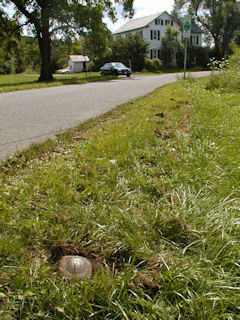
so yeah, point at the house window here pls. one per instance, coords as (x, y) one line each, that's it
(194, 40)
(140, 33)
(155, 34)
(172, 23)
(118, 37)
(162, 22)
(128, 34)
(157, 21)
(167, 22)
(154, 53)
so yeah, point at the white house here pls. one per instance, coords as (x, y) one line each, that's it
(77, 63)
(152, 27)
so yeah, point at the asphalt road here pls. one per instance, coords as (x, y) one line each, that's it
(33, 115)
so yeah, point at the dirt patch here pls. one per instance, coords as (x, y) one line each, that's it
(148, 284)
(175, 230)
(150, 279)
(184, 123)
(167, 133)
(161, 115)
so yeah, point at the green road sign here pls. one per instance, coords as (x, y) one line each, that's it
(187, 26)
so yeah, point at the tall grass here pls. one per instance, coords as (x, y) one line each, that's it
(228, 77)
(149, 193)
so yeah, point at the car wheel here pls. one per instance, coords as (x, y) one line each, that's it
(128, 75)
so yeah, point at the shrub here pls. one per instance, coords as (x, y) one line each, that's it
(152, 65)
(228, 76)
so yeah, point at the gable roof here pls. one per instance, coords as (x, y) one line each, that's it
(79, 58)
(194, 27)
(138, 23)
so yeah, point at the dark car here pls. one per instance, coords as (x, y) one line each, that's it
(116, 69)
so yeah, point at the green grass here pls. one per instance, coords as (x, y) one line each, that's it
(15, 82)
(149, 192)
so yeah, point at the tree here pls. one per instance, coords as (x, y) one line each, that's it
(237, 37)
(134, 49)
(219, 18)
(96, 43)
(9, 35)
(48, 17)
(171, 46)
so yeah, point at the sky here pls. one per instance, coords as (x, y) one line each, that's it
(142, 8)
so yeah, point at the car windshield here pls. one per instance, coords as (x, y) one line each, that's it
(119, 65)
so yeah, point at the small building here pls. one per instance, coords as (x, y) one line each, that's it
(77, 63)
(152, 27)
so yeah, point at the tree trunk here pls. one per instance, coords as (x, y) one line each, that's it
(44, 42)
(217, 50)
(45, 50)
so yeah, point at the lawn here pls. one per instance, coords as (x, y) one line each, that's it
(149, 193)
(15, 82)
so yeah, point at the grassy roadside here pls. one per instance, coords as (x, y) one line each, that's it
(24, 82)
(149, 192)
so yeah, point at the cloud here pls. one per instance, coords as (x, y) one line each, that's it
(142, 8)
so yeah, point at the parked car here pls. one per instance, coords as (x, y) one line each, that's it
(63, 71)
(115, 68)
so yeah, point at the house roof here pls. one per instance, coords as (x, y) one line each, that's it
(138, 23)
(194, 27)
(79, 58)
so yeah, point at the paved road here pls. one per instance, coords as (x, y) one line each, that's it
(33, 115)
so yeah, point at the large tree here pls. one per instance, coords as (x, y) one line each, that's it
(48, 17)
(219, 18)
(171, 46)
(131, 51)
(9, 35)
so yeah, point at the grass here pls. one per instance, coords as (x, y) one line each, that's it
(15, 82)
(149, 192)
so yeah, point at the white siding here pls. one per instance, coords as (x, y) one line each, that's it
(154, 44)
(75, 66)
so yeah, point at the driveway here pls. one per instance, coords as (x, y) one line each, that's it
(33, 115)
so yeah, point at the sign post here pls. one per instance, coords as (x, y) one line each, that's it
(186, 35)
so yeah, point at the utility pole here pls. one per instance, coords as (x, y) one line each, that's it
(185, 56)
(186, 35)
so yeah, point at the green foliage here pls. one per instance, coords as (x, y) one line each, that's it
(9, 35)
(197, 56)
(237, 37)
(132, 49)
(220, 20)
(152, 65)
(228, 77)
(61, 49)
(171, 47)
